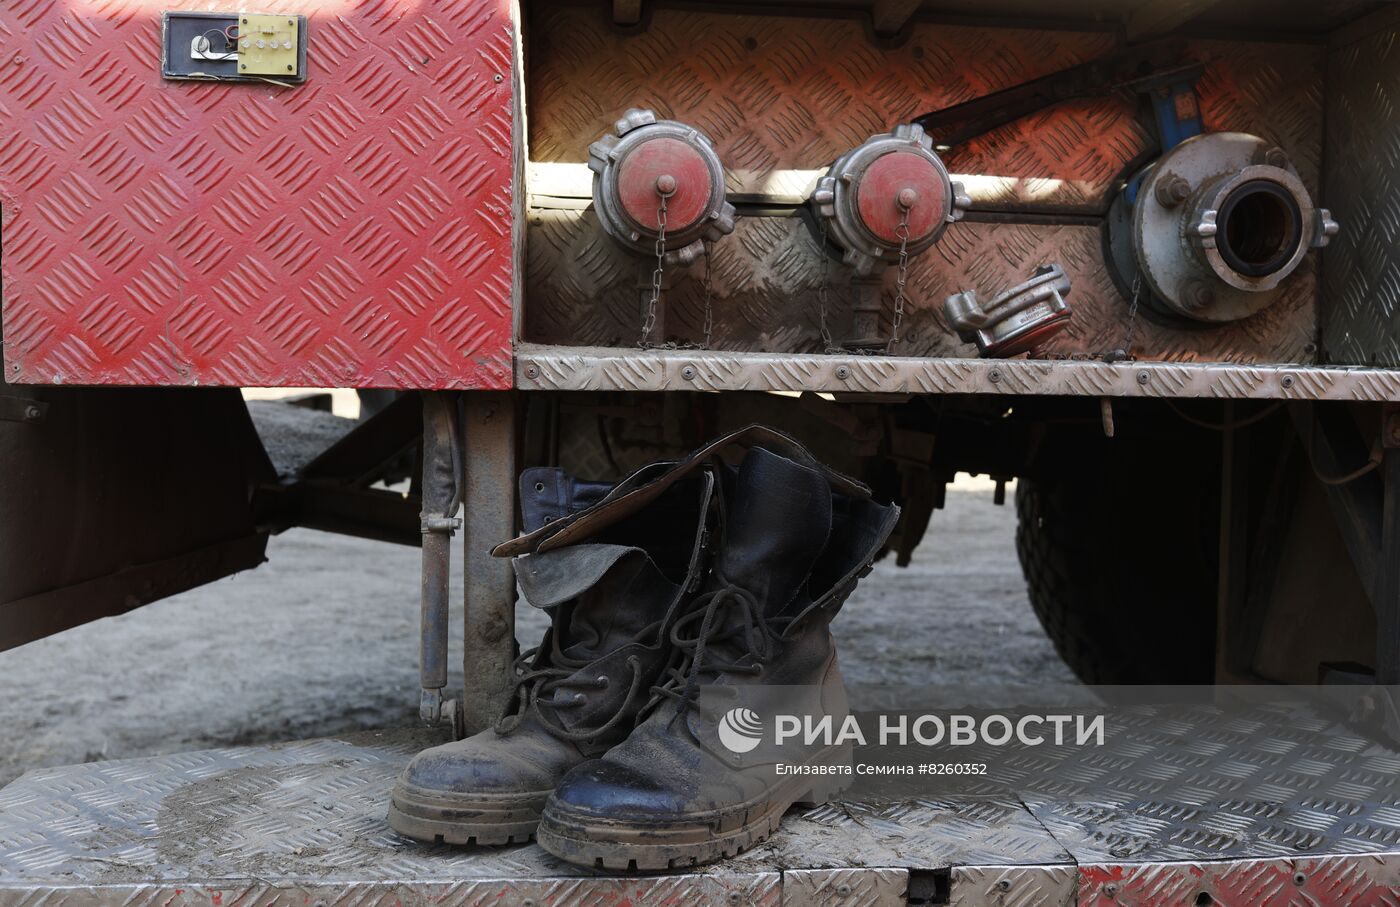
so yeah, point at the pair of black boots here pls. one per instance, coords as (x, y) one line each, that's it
(687, 580)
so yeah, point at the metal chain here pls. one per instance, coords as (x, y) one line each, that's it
(823, 292)
(901, 278)
(649, 320)
(1132, 316)
(709, 286)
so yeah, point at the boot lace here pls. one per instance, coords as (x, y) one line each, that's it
(533, 684)
(756, 635)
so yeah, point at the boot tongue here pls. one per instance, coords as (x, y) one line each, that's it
(585, 584)
(777, 520)
(614, 612)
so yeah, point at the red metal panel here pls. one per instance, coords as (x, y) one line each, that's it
(351, 231)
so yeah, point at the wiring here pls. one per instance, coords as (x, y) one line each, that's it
(230, 51)
(1372, 463)
(1226, 426)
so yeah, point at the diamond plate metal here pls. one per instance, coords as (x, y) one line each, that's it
(304, 822)
(846, 887)
(1205, 785)
(582, 291)
(784, 96)
(1013, 886)
(1254, 809)
(596, 368)
(1372, 880)
(351, 231)
(1361, 276)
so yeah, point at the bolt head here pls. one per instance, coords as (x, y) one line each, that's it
(1199, 295)
(1173, 190)
(532, 371)
(843, 372)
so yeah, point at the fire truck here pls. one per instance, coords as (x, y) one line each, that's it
(1138, 256)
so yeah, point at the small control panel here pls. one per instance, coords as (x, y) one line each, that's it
(234, 46)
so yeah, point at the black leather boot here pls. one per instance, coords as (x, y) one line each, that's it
(613, 598)
(684, 788)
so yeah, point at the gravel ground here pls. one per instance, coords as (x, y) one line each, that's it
(323, 639)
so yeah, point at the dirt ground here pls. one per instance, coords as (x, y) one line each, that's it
(323, 639)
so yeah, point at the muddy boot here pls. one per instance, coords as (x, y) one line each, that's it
(698, 779)
(612, 601)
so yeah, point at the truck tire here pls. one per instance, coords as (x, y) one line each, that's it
(1121, 571)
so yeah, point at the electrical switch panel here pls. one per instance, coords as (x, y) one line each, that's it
(234, 46)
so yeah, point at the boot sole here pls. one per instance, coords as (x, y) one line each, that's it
(439, 818)
(595, 843)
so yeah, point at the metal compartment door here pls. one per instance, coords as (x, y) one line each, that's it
(352, 230)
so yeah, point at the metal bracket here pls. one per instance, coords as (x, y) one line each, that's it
(20, 409)
(447, 525)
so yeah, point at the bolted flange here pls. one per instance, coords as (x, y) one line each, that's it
(1217, 225)
(647, 160)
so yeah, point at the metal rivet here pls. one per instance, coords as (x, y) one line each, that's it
(1004, 884)
(539, 488)
(1300, 879)
(1111, 889)
(289, 67)
(497, 77)
(735, 897)
(844, 889)
(1143, 377)
(242, 65)
(32, 412)
(688, 373)
(532, 371)
(994, 376)
(1287, 381)
(843, 372)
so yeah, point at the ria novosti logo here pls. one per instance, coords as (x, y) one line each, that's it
(740, 730)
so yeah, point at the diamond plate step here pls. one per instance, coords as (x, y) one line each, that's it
(303, 823)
